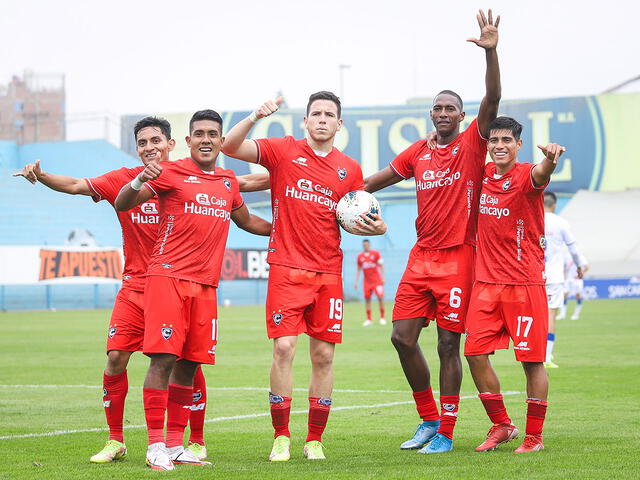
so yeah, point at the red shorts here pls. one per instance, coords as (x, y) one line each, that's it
(437, 285)
(181, 318)
(126, 327)
(301, 301)
(371, 288)
(498, 313)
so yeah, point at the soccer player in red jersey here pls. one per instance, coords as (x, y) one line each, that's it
(139, 232)
(196, 202)
(308, 178)
(509, 299)
(438, 279)
(370, 263)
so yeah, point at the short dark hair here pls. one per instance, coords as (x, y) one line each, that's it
(324, 95)
(366, 240)
(454, 94)
(506, 123)
(161, 123)
(550, 199)
(205, 115)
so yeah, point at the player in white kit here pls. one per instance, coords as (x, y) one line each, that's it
(573, 287)
(558, 237)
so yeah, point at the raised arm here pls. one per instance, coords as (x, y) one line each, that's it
(250, 222)
(60, 183)
(379, 180)
(133, 193)
(489, 41)
(541, 173)
(236, 144)
(254, 182)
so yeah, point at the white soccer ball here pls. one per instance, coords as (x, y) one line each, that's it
(352, 205)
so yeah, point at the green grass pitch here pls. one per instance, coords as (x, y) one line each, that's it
(51, 371)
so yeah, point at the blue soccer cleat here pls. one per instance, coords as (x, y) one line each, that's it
(425, 432)
(439, 444)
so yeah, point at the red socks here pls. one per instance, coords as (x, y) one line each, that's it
(449, 414)
(494, 405)
(155, 404)
(280, 411)
(178, 411)
(381, 312)
(115, 388)
(426, 405)
(536, 411)
(318, 416)
(368, 314)
(196, 420)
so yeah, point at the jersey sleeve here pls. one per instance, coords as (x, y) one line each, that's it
(358, 179)
(528, 185)
(107, 186)
(270, 151)
(403, 164)
(164, 182)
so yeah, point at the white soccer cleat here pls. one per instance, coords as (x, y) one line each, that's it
(181, 456)
(366, 323)
(382, 321)
(158, 457)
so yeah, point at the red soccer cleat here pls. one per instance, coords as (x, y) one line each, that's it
(498, 434)
(532, 443)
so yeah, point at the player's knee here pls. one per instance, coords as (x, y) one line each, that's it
(283, 352)
(322, 359)
(162, 364)
(402, 342)
(117, 361)
(448, 348)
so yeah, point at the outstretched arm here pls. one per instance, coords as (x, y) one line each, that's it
(250, 222)
(489, 41)
(60, 183)
(133, 193)
(379, 180)
(541, 173)
(236, 144)
(254, 182)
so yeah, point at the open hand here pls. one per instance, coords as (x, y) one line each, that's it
(488, 31)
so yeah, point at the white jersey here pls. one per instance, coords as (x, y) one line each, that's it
(558, 236)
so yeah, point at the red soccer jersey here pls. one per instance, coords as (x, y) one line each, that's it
(195, 211)
(305, 190)
(447, 187)
(369, 262)
(511, 228)
(139, 225)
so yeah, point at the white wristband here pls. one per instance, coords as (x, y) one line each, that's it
(136, 184)
(253, 118)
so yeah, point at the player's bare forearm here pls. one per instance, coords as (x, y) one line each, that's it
(250, 223)
(381, 179)
(254, 182)
(493, 91)
(129, 198)
(236, 144)
(60, 183)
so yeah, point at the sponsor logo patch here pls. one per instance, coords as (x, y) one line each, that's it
(449, 407)
(543, 242)
(149, 208)
(454, 152)
(425, 157)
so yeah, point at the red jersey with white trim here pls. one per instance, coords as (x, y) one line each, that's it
(370, 262)
(195, 211)
(511, 228)
(447, 187)
(139, 225)
(305, 191)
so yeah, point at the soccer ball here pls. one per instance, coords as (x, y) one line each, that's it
(352, 205)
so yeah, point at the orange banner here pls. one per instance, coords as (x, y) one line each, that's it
(61, 264)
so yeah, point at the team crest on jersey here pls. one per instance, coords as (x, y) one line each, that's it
(112, 331)
(455, 151)
(166, 265)
(543, 242)
(485, 180)
(197, 396)
(425, 157)
(277, 318)
(166, 332)
(506, 185)
(342, 173)
(227, 183)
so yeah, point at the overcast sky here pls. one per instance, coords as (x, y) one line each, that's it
(175, 56)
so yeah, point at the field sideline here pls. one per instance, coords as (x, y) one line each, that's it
(51, 418)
